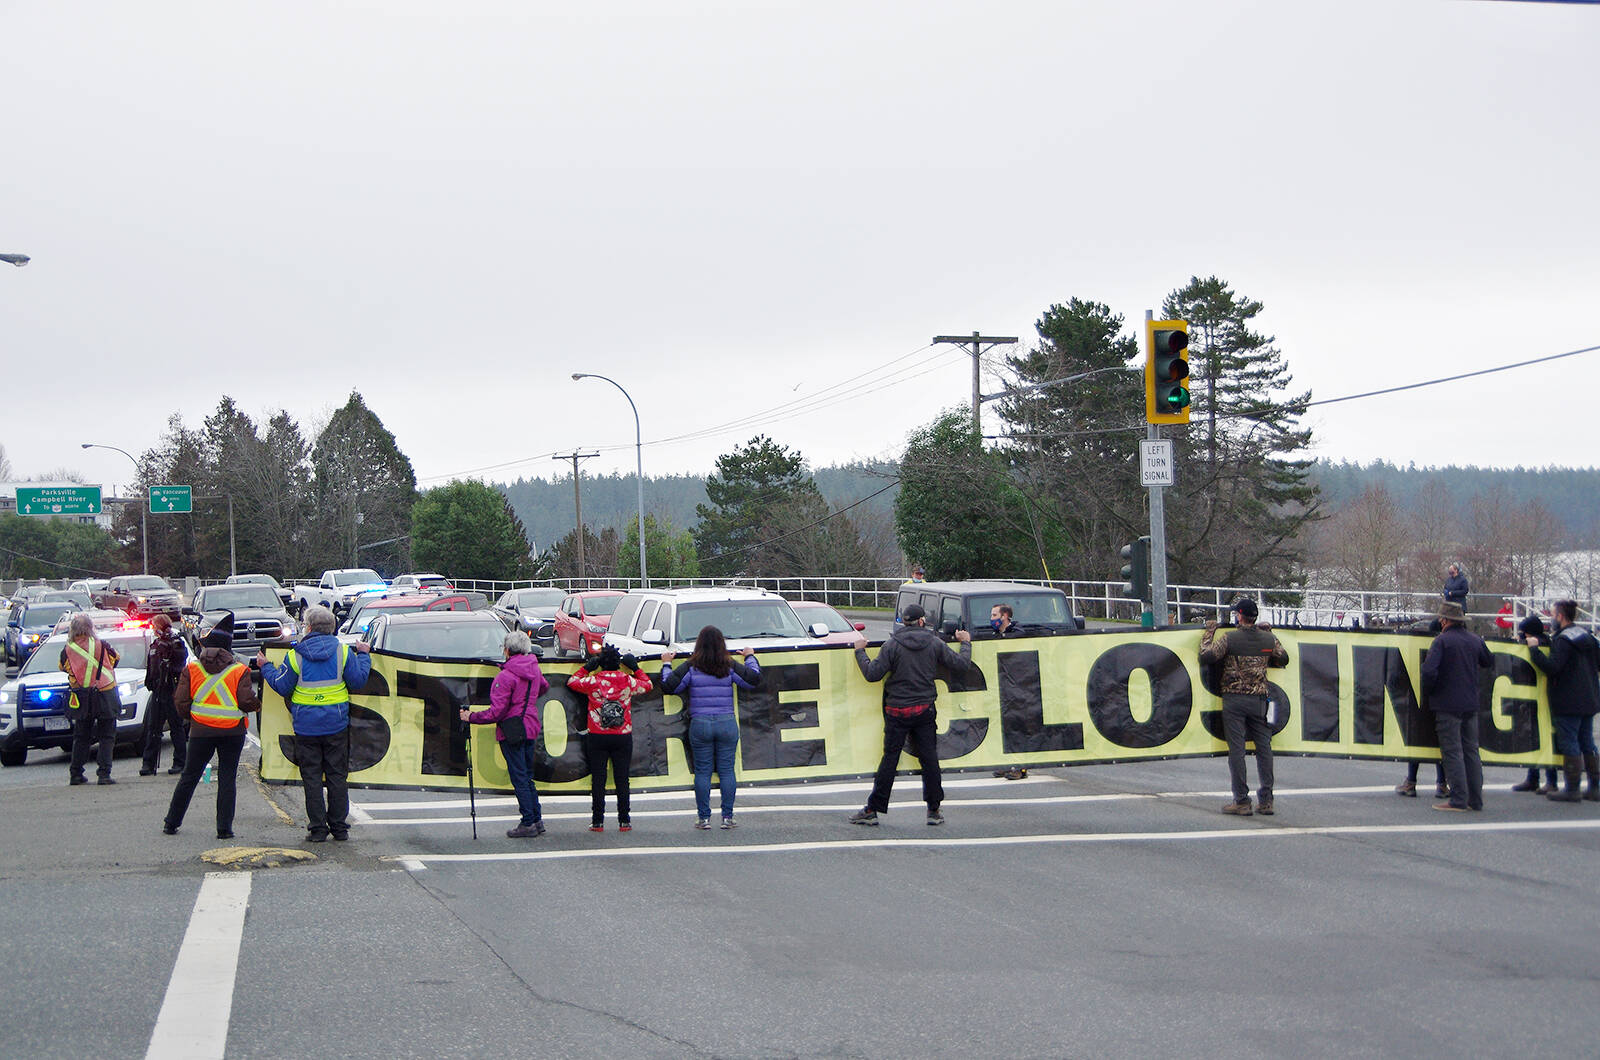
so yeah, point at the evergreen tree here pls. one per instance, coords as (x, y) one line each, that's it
(467, 530)
(364, 489)
(668, 551)
(760, 498)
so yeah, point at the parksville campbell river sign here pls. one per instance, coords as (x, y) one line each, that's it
(58, 500)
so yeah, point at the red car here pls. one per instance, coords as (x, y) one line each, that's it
(840, 629)
(582, 620)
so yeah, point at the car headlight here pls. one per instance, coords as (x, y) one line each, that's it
(128, 690)
(141, 599)
(5, 697)
(30, 638)
(596, 629)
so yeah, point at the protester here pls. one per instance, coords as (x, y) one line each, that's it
(164, 665)
(1455, 587)
(215, 695)
(706, 684)
(1450, 690)
(910, 660)
(92, 702)
(316, 679)
(1245, 652)
(918, 576)
(1408, 786)
(1533, 626)
(1573, 667)
(611, 681)
(514, 701)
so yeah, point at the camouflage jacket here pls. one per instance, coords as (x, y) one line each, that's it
(1245, 653)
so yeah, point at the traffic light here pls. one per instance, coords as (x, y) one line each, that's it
(1136, 570)
(1166, 371)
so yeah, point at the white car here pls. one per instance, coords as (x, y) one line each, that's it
(649, 621)
(412, 583)
(33, 707)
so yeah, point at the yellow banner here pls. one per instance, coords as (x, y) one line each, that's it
(1065, 700)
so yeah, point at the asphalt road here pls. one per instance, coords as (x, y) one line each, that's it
(1093, 911)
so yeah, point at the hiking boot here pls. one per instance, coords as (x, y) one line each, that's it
(1238, 809)
(1550, 785)
(342, 836)
(526, 831)
(1572, 768)
(74, 781)
(316, 837)
(1408, 788)
(1019, 773)
(935, 817)
(1441, 790)
(1531, 784)
(864, 816)
(1264, 807)
(727, 822)
(226, 833)
(147, 772)
(1591, 766)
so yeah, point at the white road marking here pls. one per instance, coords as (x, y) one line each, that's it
(1243, 832)
(193, 1022)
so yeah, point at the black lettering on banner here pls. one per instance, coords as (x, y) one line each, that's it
(1381, 677)
(572, 764)
(651, 731)
(967, 735)
(764, 716)
(1522, 713)
(1022, 724)
(1319, 693)
(369, 730)
(1171, 695)
(444, 734)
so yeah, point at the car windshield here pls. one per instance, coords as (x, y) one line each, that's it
(362, 616)
(47, 614)
(252, 579)
(130, 650)
(447, 640)
(356, 577)
(440, 582)
(541, 597)
(739, 619)
(1027, 609)
(600, 605)
(239, 597)
(147, 583)
(810, 613)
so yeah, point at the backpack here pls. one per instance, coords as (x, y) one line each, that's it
(160, 676)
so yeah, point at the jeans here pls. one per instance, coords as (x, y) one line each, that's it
(161, 714)
(519, 763)
(714, 738)
(921, 730)
(93, 724)
(1438, 771)
(325, 757)
(227, 746)
(616, 748)
(1458, 746)
(1574, 734)
(1245, 718)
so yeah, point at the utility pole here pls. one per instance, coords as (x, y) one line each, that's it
(978, 342)
(577, 499)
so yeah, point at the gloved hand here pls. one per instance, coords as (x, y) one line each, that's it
(592, 663)
(630, 662)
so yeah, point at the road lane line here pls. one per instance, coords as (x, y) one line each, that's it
(193, 1022)
(1243, 832)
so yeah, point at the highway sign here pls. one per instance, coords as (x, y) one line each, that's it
(58, 500)
(171, 499)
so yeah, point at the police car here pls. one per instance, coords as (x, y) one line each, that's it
(33, 706)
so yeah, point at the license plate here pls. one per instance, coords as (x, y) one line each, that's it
(56, 725)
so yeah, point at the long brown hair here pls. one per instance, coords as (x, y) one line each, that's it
(710, 653)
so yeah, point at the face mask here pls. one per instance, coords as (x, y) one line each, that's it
(994, 623)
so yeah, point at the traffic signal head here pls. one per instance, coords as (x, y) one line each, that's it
(1166, 371)
(1136, 570)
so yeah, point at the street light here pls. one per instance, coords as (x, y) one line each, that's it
(144, 509)
(638, 449)
(18, 260)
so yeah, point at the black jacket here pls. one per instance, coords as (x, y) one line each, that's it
(1450, 672)
(1573, 667)
(1455, 590)
(911, 659)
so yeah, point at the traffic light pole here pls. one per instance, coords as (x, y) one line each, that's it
(1158, 547)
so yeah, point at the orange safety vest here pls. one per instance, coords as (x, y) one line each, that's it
(214, 698)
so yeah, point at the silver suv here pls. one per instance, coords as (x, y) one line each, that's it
(649, 621)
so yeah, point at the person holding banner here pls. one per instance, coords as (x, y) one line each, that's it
(1573, 667)
(1533, 626)
(215, 695)
(910, 660)
(706, 684)
(1245, 652)
(610, 680)
(514, 706)
(1450, 688)
(316, 678)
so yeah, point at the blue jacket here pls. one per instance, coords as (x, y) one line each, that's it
(319, 661)
(705, 695)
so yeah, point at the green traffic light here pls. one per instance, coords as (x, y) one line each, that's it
(1177, 399)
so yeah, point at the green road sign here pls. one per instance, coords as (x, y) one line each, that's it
(58, 500)
(173, 499)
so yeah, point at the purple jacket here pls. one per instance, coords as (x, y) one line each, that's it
(519, 681)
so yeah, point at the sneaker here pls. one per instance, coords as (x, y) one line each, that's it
(1018, 773)
(167, 829)
(703, 823)
(624, 826)
(1407, 788)
(1264, 807)
(727, 822)
(1238, 809)
(526, 831)
(868, 817)
(1449, 808)
(935, 818)
(597, 828)
(225, 834)
(75, 781)
(1441, 790)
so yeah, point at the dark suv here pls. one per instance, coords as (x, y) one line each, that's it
(142, 595)
(259, 616)
(1036, 609)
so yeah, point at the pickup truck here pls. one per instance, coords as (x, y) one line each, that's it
(141, 595)
(336, 591)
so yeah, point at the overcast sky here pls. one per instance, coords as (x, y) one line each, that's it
(732, 208)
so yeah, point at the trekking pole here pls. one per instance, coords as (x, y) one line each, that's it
(472, 795)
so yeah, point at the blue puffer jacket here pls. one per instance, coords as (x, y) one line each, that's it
(706, 695)
(319, 661)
